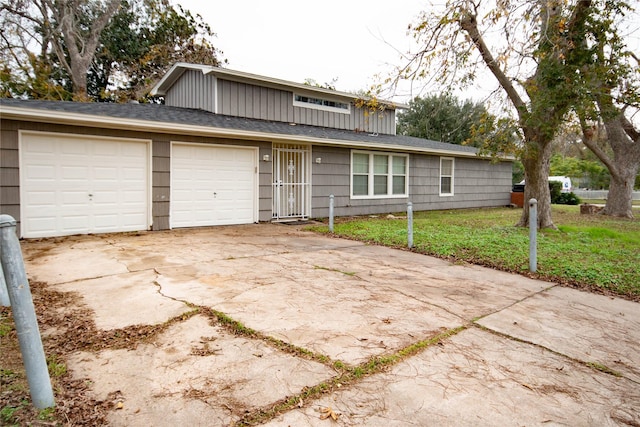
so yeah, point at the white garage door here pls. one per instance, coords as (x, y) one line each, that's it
(78, 185)
(212, 185)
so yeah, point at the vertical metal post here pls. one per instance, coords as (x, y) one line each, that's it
(410, 225)
(533, 235)
(4, 294)
(24, 315)
(331, 213)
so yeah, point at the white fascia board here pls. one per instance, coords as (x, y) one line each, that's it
(65, 118)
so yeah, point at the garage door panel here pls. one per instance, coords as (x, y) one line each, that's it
(73, 224)
(212, 185)
(86, 182)
(40, 172)
(70, 199)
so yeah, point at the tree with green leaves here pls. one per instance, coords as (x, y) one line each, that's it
(440, 117)
(611, 81)
(139, 47)
(96, 49)
(530, 50)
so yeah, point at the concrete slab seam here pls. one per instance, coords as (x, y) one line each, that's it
(349, 376)
(592, 365)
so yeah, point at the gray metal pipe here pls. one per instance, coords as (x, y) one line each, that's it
(410, 225)
(24, 314)
(533, 235)
(4, 294)
(331, 213)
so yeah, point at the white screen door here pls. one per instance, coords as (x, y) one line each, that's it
(291, 181)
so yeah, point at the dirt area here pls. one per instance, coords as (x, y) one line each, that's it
(66, 331)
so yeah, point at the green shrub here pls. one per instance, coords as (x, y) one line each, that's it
(555, 188)
(560, 198)
(568, 199)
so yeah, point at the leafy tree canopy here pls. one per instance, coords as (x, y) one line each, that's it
(441, 118)
(140, 40)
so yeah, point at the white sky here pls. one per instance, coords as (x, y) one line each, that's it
(351, 40)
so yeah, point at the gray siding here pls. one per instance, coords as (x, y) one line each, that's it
(161, 180)
(256, 102)
(193, 90)
(477, 183)
(9, 172)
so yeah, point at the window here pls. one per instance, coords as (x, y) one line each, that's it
(446, 176)
(378, 175)
(321, 104)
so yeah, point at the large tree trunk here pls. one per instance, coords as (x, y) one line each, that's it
(81, 45)
(620, 199)
(626, 160)
(624, 141)
(537, 164)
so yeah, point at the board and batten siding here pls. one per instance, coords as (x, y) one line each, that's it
(257, 102)
(254, 102)
(193, 90)
(478, 183)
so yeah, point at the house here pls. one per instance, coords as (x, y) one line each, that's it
(227, 147)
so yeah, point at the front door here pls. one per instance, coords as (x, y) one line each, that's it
(291, 181)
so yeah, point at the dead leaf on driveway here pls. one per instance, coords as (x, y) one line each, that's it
(328, 413)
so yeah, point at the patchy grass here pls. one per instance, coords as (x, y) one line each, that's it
(592, 252)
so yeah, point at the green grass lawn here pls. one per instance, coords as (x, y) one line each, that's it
(589, 251)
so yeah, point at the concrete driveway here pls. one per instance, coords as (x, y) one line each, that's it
(380, 336)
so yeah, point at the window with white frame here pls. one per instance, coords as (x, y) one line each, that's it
(379, 175)
(446, 176)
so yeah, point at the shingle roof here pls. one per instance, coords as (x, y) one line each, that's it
(155, 113)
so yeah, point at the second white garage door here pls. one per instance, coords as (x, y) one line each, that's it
(213, 185)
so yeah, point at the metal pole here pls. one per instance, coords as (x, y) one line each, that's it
(4, 294)
(410, 225)
(331, 213)
(25, 315)
(533, 235)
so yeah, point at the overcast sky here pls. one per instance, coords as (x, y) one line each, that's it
(351, 40)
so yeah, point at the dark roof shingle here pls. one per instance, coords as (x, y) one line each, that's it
(187, 116)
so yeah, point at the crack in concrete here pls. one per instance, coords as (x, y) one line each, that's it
(159, 290)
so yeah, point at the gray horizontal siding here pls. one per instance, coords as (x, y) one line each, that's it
(477, 183)
(160, 152)
(193, 90)
(9, 172)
